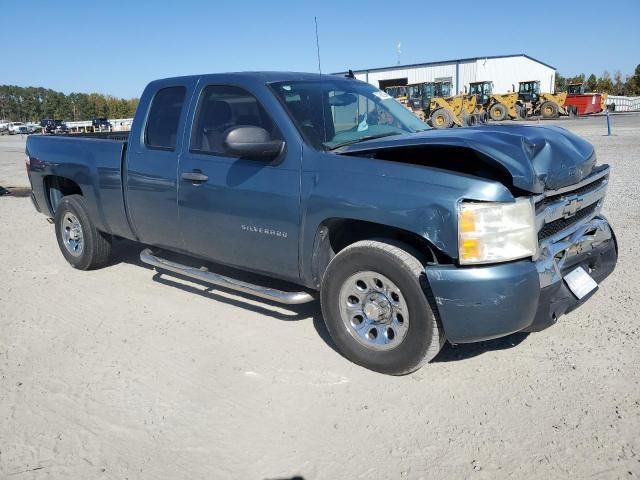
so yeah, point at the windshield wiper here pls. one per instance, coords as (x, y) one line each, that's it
(362, 139)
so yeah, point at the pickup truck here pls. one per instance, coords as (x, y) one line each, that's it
(54, 126)
(325, 187)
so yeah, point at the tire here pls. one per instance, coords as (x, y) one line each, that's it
(468, 120)
(498, 112)
(354, 305)
(549, 110)
(81, 244)
(441, 118)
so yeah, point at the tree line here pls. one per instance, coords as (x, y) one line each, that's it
(616, 85)
(31, 104)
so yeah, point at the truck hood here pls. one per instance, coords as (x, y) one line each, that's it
(538, 158)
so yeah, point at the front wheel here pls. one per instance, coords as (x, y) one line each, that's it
(441, 118)
(498, 112)
(82, 245)
(549, 110)
(376, 308)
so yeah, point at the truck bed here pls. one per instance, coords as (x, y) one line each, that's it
(120, 136)
(93, 163)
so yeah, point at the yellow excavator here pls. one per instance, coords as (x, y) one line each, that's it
(534, 102)
(496, 106)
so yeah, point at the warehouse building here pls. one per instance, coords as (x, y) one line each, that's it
(505, 71)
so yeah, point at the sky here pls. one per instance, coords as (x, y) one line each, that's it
(116, 47)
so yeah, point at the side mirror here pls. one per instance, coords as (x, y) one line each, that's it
(253, 142)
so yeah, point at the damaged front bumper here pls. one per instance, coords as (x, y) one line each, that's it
(481, 303)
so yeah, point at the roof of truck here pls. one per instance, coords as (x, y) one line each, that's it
(266, 76)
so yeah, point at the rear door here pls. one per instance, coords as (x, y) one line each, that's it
(152, 162)
(242, 212)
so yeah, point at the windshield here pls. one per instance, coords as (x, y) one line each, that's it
(421, 91)
(442, 89)
(396, 92)
(575, 89)
(334, 113)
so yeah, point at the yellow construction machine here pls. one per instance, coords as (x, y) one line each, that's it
(432, 102)
(534, 102)
(399, 92)
(495, 105)
(459, 110)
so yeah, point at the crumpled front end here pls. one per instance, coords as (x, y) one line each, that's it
(480, 303)
(593, 248)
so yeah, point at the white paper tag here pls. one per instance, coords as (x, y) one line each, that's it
(382, 95)
(580, 282)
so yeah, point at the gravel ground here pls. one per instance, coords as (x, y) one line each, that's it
(123, 373)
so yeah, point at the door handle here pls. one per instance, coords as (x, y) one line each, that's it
(195, 177)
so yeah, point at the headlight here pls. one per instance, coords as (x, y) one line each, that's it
(496, 232)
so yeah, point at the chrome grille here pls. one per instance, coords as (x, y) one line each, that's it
(560, 212)
(563, 223)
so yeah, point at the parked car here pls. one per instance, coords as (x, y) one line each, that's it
(15, 128)
(33, 128)
(54, 127)
(409, 236)
(101, 125)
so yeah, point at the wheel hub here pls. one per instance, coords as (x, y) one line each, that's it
(377, 308)
(373, 310)
(72, 234)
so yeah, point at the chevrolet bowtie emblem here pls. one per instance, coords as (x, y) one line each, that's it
(571, 208)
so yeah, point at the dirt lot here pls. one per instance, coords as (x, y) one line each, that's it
(122, 373)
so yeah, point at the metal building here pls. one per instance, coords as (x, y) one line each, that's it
(505, 71)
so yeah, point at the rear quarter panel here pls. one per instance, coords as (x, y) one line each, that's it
(94, 164)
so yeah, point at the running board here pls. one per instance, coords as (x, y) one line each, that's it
(289, 298)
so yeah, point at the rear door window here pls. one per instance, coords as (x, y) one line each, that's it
(161, 130)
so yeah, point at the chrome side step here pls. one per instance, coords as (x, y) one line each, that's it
(289, 298)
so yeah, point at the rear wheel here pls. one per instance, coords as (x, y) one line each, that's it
(376, 309)
(81, 244)
(441, 118)
(498, 112)
(549, 110)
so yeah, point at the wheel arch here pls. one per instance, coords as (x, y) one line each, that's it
(334, 234)
(56, 187)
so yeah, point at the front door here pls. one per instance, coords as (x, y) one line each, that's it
(238, 211)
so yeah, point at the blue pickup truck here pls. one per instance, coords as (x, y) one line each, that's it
(325, 187)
